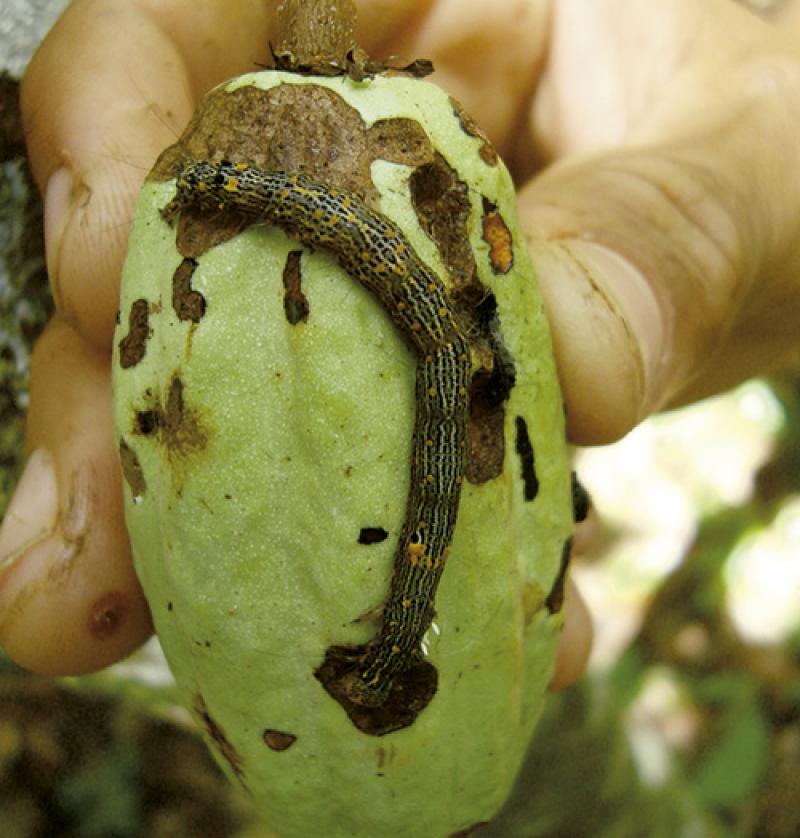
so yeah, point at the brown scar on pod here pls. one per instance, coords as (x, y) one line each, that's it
(278, 740)
(133, 346)
(131, 469)
(497, 235)
(295, 303)
(555, 599)
(527, 458)
(188, 303)
(175, 425)
(218, 738)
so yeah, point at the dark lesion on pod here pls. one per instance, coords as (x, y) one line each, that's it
(295, 303)
(441, 201)
(409, 693)
(372, 535)
(278, 740)
(524, 448)
(147, 422)
(131, 469)
(188, 303)
(555, 599)
(490, 388)
(400, 140)
(133, 346)
(173, 421)
(581, 500)
(181, 432)
(487, 151)
(218, 738)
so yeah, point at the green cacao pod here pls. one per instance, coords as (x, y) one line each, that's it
(274, 445)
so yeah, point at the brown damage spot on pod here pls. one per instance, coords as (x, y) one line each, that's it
(278, 740)
(372, 535)
(295, 304)
(497, 235)
(410, 693)
(181, 431)
(581, 501)
(218, 738)
(530, 482)
(441, 202)
(133, 346)
(187, 303)
(172, 423)
(400, 140)
(288, 128)
(131, 469)
(146, 422)
(490, 388)
(487, 151)
(485, 431)
(555, 599)
(107, 615)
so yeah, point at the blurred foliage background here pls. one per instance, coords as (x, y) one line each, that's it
(687, 724)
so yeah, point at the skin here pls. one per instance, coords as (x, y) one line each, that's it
(655, 150)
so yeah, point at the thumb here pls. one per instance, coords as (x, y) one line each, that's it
(589, 238)
(669, 272)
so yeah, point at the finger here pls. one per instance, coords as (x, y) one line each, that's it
(575, 645)
(69, 598)
(669, 268)
(486, 55)
(109, 88)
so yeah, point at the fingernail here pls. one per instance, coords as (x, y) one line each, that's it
(32, 514)
(631, 294)
(59, 199)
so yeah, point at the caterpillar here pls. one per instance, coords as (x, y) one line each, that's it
(374, 251)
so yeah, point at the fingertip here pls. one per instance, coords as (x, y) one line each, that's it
(68, 605)
(93, 129)
(86, 225)
(69, 599)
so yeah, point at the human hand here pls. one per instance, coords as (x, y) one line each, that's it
(663, 233)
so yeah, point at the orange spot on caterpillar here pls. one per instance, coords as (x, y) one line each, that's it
(415, 552)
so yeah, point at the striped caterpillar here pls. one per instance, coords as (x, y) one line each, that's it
(374, 251)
